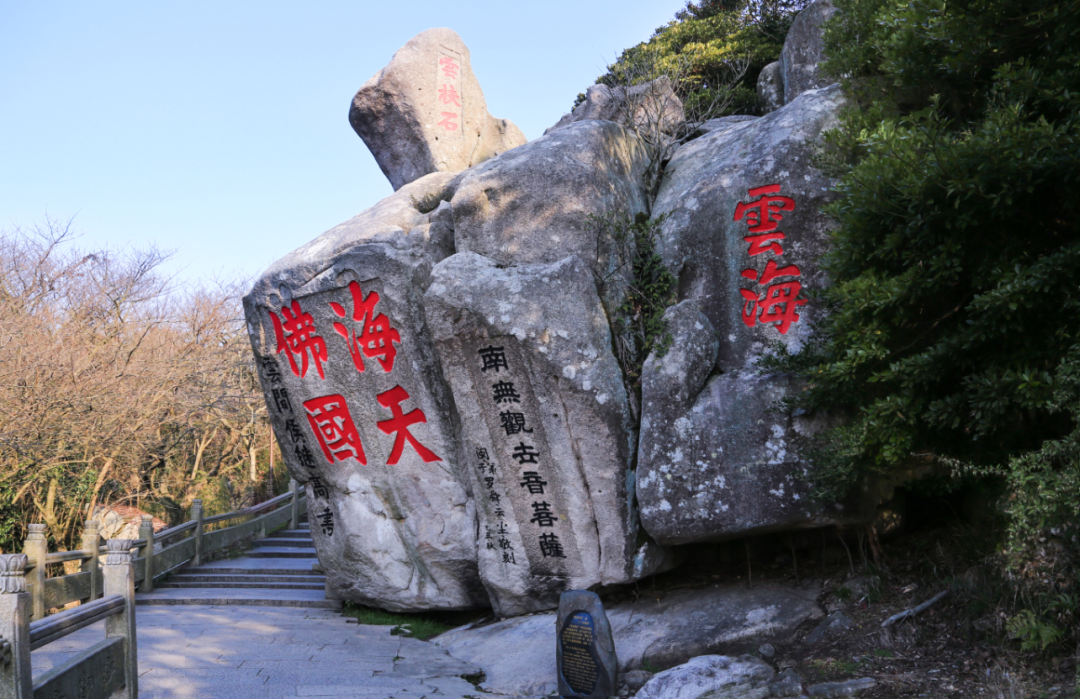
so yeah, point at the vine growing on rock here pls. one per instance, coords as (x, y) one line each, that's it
(643, 286)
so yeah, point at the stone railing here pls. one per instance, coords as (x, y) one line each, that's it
(189, 542)
(108, 669)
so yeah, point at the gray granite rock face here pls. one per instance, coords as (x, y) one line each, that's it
(653, 102)
(546, 428)
(425, 112)
(744, 236)
(712, 677)
(358, 403)
(770, 87)
(585, 650)
(532, 204)
(804, 51)
(516, 656)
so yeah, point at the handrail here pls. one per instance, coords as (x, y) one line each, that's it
(64, 556)
(155, 554)
(53, 628)
(173, 531)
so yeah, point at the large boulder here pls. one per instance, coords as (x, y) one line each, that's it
(357, 400)
(652, 107)
(804, 51)
(744, 234)
(546, 428)
(770, 87)
(425, 112)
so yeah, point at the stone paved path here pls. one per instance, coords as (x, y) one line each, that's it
(241, 652)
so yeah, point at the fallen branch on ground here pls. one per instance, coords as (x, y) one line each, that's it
(914, 610)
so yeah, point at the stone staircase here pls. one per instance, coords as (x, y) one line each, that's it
(276, 572)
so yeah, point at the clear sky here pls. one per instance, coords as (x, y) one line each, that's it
(220, 129)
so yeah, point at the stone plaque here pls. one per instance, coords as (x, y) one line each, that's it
(585, 650)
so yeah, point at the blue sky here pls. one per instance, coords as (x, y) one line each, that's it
(221, 129)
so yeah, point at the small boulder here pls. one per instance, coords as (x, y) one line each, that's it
(836, 690)
(546, 428)
(804, 51)
(787, 684)
(654, 105)
(712, 677)
(770, 87)
(425, 112)
(835, 623)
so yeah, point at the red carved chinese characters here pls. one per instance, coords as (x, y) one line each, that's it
(448, 95)
(296, 337)
(376, 337)
(448, 121)
(760, 213)
(779, 304)
(399, 425)
(449, 68)
(333, 426)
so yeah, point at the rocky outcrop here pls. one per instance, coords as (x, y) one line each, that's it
(546, 427)
(425, 112)
(357, 401)
(533, 204)
(804, 51)
(516, 654)
(744, 234)
(712, 677)
(653, 106)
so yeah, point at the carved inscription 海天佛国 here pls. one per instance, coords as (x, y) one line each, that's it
(348, 332)
(580, 668)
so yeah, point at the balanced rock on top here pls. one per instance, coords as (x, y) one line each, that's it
(425, 112)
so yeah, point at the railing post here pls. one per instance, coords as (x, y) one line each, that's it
(37, 547)
(146, 531)
(16, 681)
(294, 504)
(197, 515)
(120, 580)
(90, 542)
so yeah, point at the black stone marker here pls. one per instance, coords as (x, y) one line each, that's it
(585, 651)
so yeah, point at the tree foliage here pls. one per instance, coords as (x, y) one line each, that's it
(116, 387)
(702, 44)
(953, 333)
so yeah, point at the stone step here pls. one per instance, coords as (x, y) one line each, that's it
(293, 534)
(253, 577)
(282, 552)
(231, 596)
(273, 541)
(272, 568)
(244, 585)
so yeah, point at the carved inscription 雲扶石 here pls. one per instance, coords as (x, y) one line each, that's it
(329, 340)
(514, 471)
(577, 640)
(779, 303)
(449, 102)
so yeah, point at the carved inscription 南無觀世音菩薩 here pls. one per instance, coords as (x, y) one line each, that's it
(579, 665)
(517, 466)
